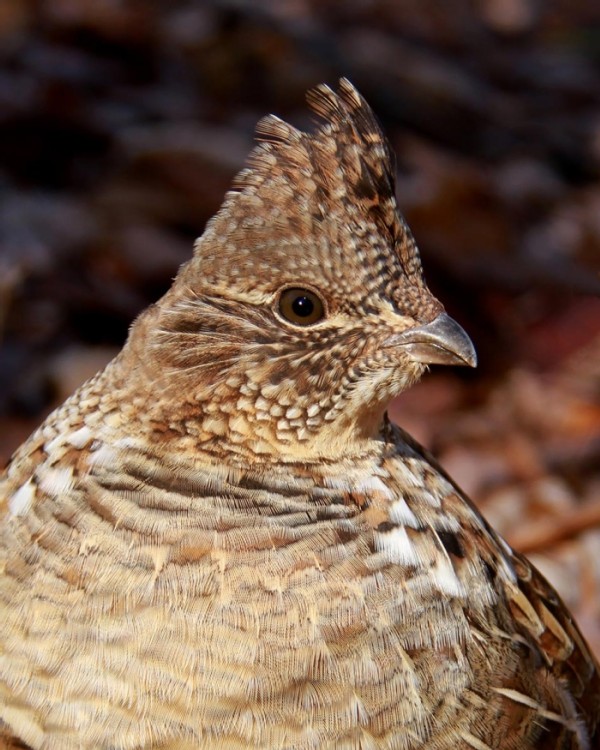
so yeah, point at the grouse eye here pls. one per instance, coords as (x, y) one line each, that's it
(301, 307)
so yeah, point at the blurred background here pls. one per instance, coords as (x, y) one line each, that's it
(122, 123)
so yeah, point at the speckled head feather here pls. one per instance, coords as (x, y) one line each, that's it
(316, 212)
(347, 158)
(304, 182)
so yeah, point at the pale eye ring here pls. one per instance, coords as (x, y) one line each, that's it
(301, 306)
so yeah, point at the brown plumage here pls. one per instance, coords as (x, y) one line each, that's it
(221, 542)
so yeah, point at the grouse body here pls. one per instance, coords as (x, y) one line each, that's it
(220, 541)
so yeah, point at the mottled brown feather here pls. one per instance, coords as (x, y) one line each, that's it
(220, 541)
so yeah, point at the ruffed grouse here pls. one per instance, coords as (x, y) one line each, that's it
(220, 541)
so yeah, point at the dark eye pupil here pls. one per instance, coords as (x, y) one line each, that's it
(303, 306)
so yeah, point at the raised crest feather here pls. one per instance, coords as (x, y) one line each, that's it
(273, 129)
(347, 147)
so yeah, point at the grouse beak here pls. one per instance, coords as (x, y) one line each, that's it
(441, 342)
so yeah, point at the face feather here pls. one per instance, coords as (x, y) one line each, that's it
(313, 212)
